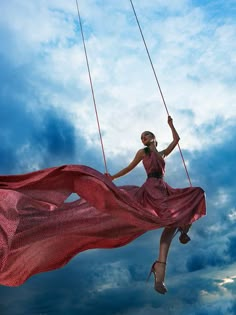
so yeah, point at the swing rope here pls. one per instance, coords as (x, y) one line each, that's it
(92, 90)
(93, 94)
(159, 87)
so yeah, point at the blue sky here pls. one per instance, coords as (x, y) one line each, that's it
(47, 119)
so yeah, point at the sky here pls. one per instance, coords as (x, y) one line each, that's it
(47, 119)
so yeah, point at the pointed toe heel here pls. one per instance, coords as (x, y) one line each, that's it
(159, 276)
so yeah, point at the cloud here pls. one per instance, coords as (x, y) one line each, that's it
(193, 50)
(231, 248)
(34, 134)
(202, 260)
(28, 136)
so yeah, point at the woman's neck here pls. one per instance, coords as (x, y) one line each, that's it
(152, 147)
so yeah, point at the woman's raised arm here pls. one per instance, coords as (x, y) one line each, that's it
(176, 138)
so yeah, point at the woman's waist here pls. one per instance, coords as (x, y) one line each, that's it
(155, 174)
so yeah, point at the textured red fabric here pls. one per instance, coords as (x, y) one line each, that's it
(39, 231)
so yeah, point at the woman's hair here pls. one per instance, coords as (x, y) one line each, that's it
(152, 134)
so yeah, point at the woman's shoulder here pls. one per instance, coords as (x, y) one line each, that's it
(142, 152)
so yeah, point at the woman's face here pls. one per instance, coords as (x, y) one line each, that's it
(147, 138)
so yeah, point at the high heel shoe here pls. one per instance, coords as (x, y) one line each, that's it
(159, 276)
(184, 238)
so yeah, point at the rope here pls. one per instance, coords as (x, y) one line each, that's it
(159, 87)
(92, 90)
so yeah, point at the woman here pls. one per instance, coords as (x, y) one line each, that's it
(154, 164)
(40, 230)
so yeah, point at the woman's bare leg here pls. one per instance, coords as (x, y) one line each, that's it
(160, 265)
(165, 241)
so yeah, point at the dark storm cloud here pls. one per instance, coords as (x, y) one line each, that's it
(214, 164)
(75, 290)
(61, 292)
(214, 169)
(231, 250)
(49, 142)
(15, 121)
(206, 311)
(53, 138)
(204, 258)
(232, 308)
(34, 137)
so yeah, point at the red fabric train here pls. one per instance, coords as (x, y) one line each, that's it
(41, 232)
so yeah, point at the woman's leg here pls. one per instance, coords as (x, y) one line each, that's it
(159, 267)
(165, 241)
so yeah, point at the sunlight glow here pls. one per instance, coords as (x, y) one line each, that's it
(227, 280)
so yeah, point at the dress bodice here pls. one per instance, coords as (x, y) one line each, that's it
(154, 162)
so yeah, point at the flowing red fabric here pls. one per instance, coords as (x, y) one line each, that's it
(39, 231)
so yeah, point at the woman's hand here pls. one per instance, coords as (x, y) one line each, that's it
(170, 121)
(175, 135)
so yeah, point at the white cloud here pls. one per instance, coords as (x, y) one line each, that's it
(222, 198)
(232, 215)
(194, 59)
(110, 276)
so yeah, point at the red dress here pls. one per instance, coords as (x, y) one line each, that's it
(40, 232)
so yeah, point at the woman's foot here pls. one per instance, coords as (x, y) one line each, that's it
(158, 269)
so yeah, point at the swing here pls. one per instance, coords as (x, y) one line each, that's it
(40, 232)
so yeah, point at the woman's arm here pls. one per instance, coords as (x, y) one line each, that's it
(138, 157)
(176, 138)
